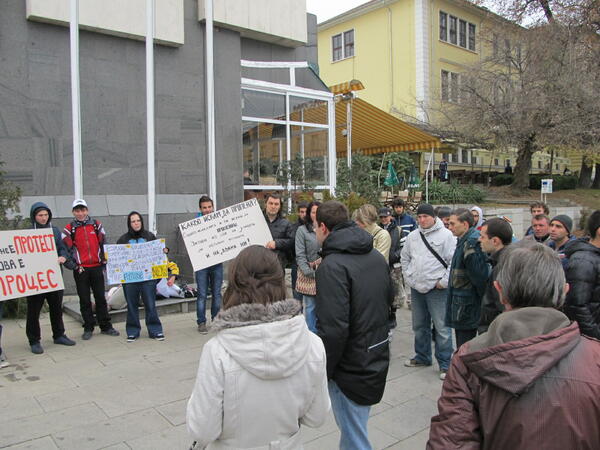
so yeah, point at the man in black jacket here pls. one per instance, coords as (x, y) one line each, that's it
(387, 222)
(281, 229)
(583, 275)
(495, 236)
(353, 320)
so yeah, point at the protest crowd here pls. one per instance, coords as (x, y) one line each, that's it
(514, 326)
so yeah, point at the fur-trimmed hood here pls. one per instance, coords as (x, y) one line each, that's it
(271, 341)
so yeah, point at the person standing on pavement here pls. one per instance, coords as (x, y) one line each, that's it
(530, 382)
(560, 236)
(3, 361)
(389, 224)
(264, 373)
(494, 238)
(301, 210)
(308, 259)
(353, 320)
(425, 260)
(537, 209)
(366, 218)
(209, 277)
(280, 227)
(469, 273)
(540, 226)
(41, 217)
(583, 275)
(137, 234)
(84, 238)
(405, 222)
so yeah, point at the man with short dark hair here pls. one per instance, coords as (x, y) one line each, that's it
(468, 276)
(536, 209)
(494, 238)
(301, 210)
(387, 222)
(280, 227)
(540, 224)
(209, 277)
(530, 382)
(84, 237)
(560, 235)
(443, 213)
(405, 222)
(583, 275)
(353, 320)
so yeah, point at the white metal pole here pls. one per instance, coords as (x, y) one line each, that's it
(331, 149)
(75, 99)
(349, 133)
(210, 103)
(150, 139)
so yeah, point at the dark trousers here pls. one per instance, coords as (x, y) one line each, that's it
(147, 289)
(92, 278)
(463, 336)
(34, 306)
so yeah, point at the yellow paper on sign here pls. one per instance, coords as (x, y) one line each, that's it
(159, 271)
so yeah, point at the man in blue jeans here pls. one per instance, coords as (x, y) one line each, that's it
(211, 276)
(426, 258)
(353, 320)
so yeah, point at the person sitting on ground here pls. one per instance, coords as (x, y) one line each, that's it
(137, 234)
(536, 209)
(41, 217)
(264, 373)
(540, 224)
(495, 237)
(531, 381)
(583, 275)
(366, 218)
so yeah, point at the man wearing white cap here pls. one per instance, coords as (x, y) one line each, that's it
(84, 236)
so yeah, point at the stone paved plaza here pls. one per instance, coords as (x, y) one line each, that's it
(106, 393)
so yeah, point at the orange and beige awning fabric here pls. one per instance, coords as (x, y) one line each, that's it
(375, 131)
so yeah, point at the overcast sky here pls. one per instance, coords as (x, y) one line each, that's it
(326, 9)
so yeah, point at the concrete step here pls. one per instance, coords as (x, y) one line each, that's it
(164, 307)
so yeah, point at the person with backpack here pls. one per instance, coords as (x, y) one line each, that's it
(84, 237)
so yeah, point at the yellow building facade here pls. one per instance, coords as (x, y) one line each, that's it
(409, 54)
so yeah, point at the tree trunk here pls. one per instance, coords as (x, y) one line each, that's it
(526, 148)
(596, 183)
(585, 174)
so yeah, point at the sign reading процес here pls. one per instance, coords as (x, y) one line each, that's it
(28, 263)
(223, 234)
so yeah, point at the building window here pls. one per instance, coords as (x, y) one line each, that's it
(453, 21)
(342, 45)
(539, 164)
(450, 86)
(443, 26)
(465, 156)
(496, 162)
(507, 162)
(462, 33)
(472, 37)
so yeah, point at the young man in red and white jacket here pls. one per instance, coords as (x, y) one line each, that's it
(84, 237)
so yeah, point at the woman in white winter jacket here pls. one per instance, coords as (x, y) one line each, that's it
(264, 373)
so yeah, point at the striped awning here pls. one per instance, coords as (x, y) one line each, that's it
(375, 131)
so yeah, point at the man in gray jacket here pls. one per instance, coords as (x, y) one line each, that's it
(426, 259)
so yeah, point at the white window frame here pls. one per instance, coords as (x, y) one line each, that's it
(342, 35)
(449, 18)
(451, 97)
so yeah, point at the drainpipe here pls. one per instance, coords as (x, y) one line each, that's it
(150, 134)
(210, 103)
(392, 100)
(75, 99)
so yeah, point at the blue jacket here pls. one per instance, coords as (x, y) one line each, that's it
(405, 223)
(468, 279)
(61, 248)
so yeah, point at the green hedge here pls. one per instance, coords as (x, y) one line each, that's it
(502, 180)
(560, 182)
(453, 193)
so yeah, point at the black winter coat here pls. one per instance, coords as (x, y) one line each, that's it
(583, 275)
(354, 294)
(396, 246)
(282, 233)
(491, 307)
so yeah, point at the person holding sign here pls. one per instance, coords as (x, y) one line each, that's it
(41, 217)
(137, 234)
(264, 373)
(84, 237)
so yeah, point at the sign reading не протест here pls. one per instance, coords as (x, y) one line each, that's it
(28, 263)
(223, 234)
(131, 263)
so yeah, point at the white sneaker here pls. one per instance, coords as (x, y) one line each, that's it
(443, 375)
(3, 362)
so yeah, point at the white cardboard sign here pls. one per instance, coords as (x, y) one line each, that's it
(547, 186)
(131, 263)
(223, 234)
(28, 263)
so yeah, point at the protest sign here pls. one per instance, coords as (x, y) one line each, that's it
(28, 263)
(223, 234)
(130, 263)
